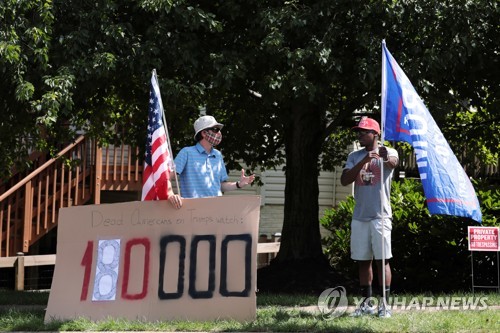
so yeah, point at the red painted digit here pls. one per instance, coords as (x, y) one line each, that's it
(126, 270)
(87, 263)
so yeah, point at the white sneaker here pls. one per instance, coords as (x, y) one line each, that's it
(384, 313)
(363, 310)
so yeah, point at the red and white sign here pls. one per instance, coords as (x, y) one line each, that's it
(483, 238)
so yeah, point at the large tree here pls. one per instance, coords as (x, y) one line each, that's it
(28, 91)
(315, 63)
(285, 78)
(312, 65)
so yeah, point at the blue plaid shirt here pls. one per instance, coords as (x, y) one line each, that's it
(200, 174)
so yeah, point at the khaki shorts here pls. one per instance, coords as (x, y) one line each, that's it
(366, 239)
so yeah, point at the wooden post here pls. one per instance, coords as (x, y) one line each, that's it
(276, 238)
(98, 175)
(28, 215)
(20, 271)
(262, 258)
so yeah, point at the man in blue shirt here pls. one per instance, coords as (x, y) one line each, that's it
(201, 168)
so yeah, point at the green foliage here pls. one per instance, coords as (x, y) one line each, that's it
(455, 91)
(489, 197)
(323, 57)
(25, 36)
(336, 246)
(425, 248)
(281, 76)
(335, 149)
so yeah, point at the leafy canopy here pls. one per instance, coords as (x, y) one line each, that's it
(70, 65)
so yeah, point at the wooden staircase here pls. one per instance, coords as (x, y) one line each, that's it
(29, 207)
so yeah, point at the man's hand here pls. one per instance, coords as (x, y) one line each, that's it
(175, 200)
(390, 161)
(383, 152)
(244, 180)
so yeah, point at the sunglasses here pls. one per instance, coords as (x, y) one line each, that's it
(213, 129)
(364, 132)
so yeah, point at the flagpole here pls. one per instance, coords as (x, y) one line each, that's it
(168, 137)
(382, 190)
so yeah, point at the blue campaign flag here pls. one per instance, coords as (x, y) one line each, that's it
(447, 187)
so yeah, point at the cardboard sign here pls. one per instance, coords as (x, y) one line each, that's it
(483, 239)
(149, 261)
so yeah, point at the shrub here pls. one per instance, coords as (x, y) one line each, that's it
(430, 252)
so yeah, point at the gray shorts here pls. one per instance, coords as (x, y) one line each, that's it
(366, 239)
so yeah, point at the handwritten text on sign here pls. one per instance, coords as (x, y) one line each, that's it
(148, 261)
(483, 239)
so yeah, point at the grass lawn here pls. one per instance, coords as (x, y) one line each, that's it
(24, 311)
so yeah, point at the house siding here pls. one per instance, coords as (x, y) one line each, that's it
(272, 193)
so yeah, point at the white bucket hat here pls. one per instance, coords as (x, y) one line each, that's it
(205, 122)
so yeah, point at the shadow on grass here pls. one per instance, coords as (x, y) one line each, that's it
(273, 320)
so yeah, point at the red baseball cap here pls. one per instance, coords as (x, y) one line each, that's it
(368, 124)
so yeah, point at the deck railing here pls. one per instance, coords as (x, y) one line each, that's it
(117, 169)
(29, 209)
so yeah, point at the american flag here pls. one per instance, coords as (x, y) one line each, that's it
(157, 160)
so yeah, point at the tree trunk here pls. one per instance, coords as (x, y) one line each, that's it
(300, 238)
(300, 265)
